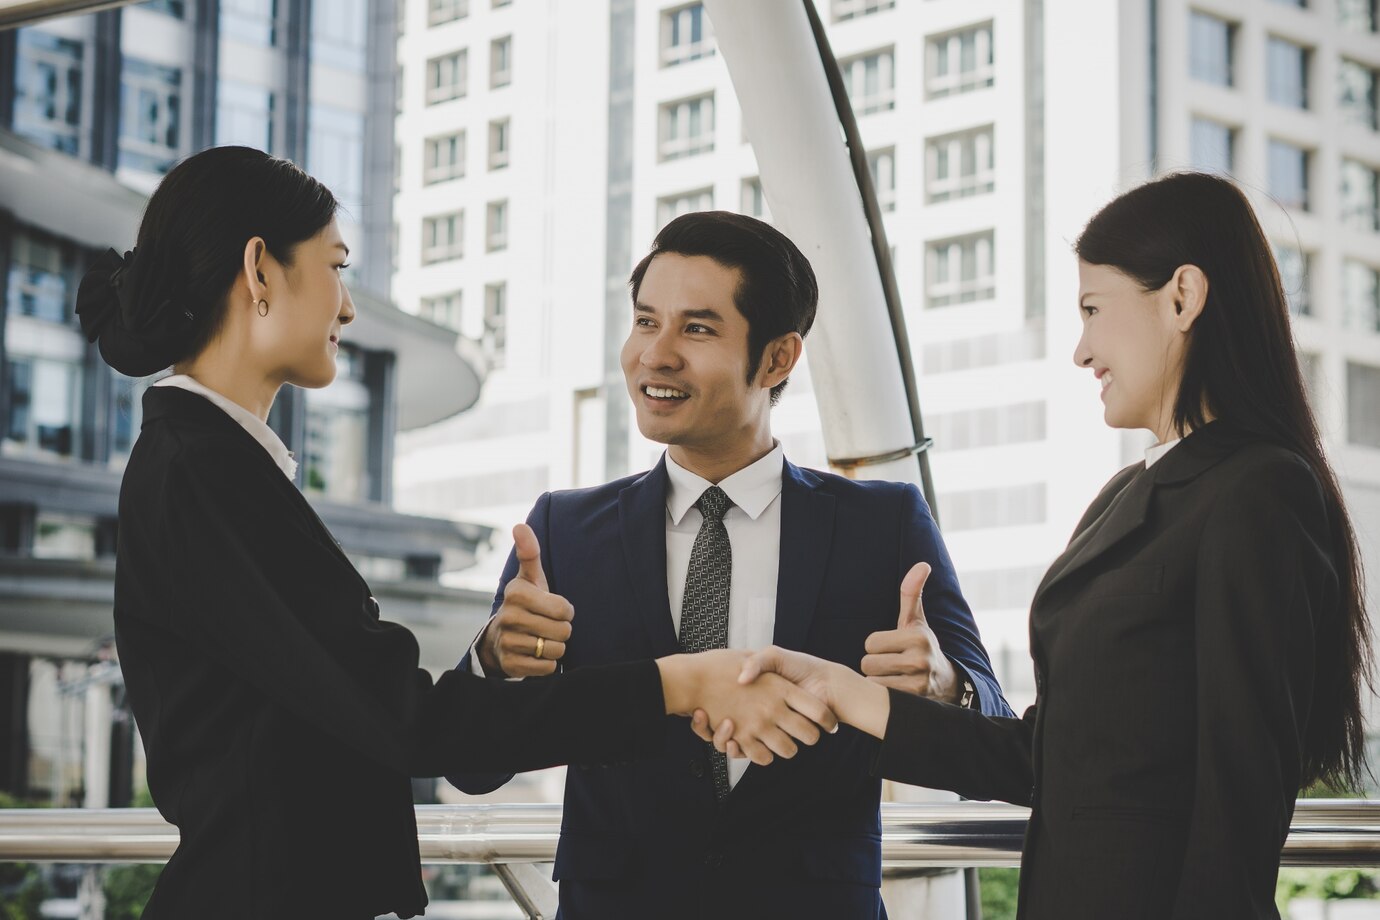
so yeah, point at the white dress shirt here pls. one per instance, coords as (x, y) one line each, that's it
(257, 428)
(1153, 454)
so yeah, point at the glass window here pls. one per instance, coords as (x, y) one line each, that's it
(252, 21)
(685, 35)
(1294, 266)
(446, 77)
(1360, 196)
(174, 8)
(1212, 146)
(495, 321)
(64, 536)
(673, 206)
(959, 165)
(496, 226)
(336, 458)
(244, 115)
(882, 165)
(686, 127)
(1008, 506)
(40, 267)
(445, 158)
(1361, 296)
(444, 309)
(976, 428)
(1356, 93)
(500, 62)
(150, 116)
(959, 62)
(960, 270)
(498, 143)
(1286, 70)
(851, 9)
(340, 33)
(439, 11)
(1357, 15)
(1210, 49)
(48, 90)
(1288, 171)
(1363, 404)
(754, 201)
(871, 81)
(45, 405)
(126, 414)
(443, 237)
(335, 152)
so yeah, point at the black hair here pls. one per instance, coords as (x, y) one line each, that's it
(777, 292)
(164, 301)
(1241, 365)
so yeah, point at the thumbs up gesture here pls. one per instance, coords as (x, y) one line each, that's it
(528, 634)
(908, 657)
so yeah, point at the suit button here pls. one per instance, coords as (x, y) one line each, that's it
(697, 769)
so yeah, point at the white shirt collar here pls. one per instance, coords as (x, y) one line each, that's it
(247, 420)
(1152, 454)
(752, 488)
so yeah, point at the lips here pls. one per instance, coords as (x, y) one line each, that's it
(670, 394)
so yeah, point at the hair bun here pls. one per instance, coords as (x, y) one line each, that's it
(138, 334)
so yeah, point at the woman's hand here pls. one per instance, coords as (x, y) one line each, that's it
(771, 715)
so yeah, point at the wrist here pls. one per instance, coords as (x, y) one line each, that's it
(678, 684)
(488, 656)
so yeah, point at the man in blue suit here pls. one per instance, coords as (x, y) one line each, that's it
(726, 543)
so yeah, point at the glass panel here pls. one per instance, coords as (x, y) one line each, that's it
(1363, 404)
(48, 90)
(252, 21)
(335, 153)
(150, 116)
(339, 33)
(1286, 73)
(244, 115)
(1288, 169)
(1210, 49)
(1356, 85)
(1211, 146)
(1293, 276)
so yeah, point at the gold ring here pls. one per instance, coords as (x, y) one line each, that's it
(541, 646)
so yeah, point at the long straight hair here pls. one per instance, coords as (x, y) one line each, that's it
(1242, 365)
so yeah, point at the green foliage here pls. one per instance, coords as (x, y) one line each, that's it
(22, 890)
(127, 890)
(999, 888)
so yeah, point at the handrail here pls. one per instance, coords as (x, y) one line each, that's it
(1325, 832)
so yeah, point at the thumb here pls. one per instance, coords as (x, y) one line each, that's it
(912, 608)
(529, 556)
(756, 664)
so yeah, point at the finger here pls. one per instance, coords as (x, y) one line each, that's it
(780, 743)
(814, 709)
(798, 727)
(528, 552)
(907, 683)
(890, 663)
(723, 739)
(513, 618)
(521, 645)
(754, 665)
(912, 610)
(523, 595)
(526, 666)
(754, 750)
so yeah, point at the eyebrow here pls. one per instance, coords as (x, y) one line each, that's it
(699, 313)
(344, 247)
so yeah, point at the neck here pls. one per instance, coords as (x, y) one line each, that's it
(249, 391)
(716, 463)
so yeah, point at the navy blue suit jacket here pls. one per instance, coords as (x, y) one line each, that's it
(799, 838)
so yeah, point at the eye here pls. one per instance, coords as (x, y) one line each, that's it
(1088, 310)
(696, 327)
(642, 321)
(342, 266)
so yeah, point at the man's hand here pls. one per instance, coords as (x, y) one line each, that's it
(908, 657)
(531, 620)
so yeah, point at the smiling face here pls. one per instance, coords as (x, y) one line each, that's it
(308, 305)
(1134, 341)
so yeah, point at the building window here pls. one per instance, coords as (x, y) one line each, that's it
(754, 202)
(496, 226)
(989, 350)
(1360, 196)
(439, 11)
(445, 158)
(1210, 49)
(1212, 146)
(244, 115)
(1286, 73)
(871, 81)
(252, 21)
(851, 9)
(1360, 296)
(39, 268)
(1294, 265)
(444, 309)
(150, 116)
(882, 165)
(443, 237)
(446, 77)
(1301, 4)
(685, 35)
(500, 62)
(960, 165)
(1357, 15)
(972, 429)
(336, 457)
(174, 8)
(1362, 398)
(959, 270)
(335, 152)
(495, 321)
(126, 414)
(959, 62)
(1356, 94)
(978, 509)
(673, 206)
(686, 128)
(340, 33)
(48, 90)
(1288, 174)
(45, 405)
(499, 130)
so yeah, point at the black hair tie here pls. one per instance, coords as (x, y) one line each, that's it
(141, 329)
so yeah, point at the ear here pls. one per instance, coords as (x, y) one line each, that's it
(255, 252)
(1189, 289)
(779, 358)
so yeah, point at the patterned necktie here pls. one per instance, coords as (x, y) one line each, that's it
(704, 612)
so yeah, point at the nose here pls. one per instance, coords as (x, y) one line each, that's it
(660, 352)
(347, 308)
(1082, 354)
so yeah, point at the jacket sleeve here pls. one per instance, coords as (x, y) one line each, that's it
(1265, 579)
(246, 575)
(945, 609)
(928, 743)
(482, 783)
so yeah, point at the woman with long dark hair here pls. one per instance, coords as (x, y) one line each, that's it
(1202, 645)
(282, 718)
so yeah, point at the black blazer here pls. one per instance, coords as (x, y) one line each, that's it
(1174, 658)
(281, 717)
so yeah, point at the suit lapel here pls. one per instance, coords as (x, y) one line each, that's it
(642, 520)
(807, 533)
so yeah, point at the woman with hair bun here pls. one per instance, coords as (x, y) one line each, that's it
(282, 718)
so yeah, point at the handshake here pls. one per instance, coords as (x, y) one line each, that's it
(758, 705)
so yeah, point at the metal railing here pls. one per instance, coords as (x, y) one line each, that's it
(512, 838)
